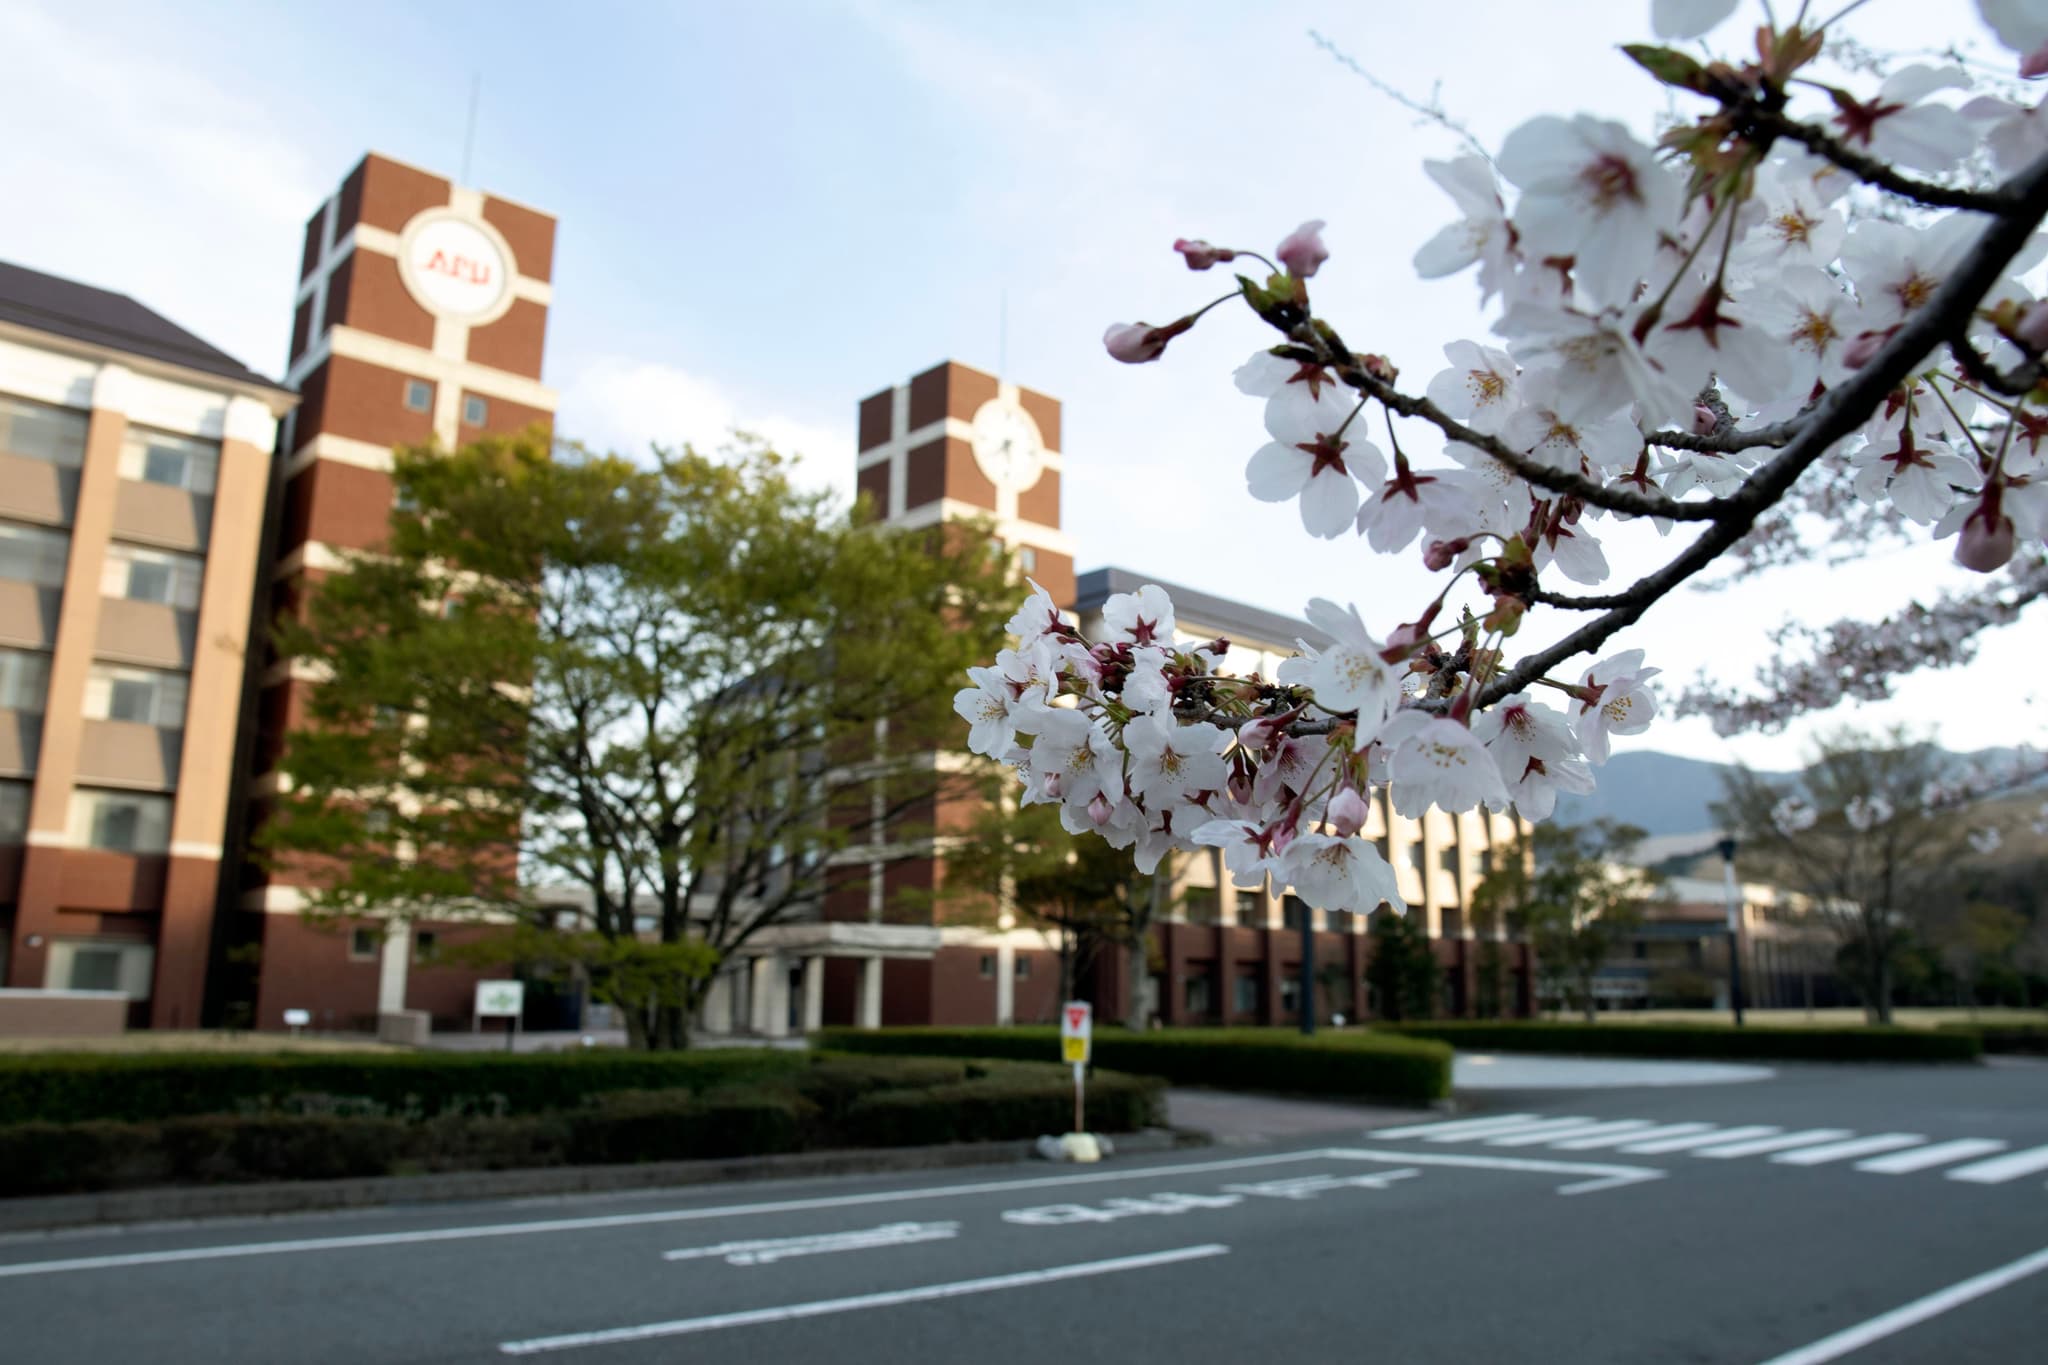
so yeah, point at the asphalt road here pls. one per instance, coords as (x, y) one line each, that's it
(1787, 1220)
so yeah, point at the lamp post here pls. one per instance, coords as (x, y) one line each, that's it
(1727, 847)
(1308, 969)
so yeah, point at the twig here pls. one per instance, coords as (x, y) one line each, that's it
(1433, 111)
(1868, 168)
(2012, 383)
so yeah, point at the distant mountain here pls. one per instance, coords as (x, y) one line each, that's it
(1658, 793)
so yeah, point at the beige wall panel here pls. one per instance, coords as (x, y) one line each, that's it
(38, 491)
(155, 514)
(28, 615)
(119, 753)
(146, 633)
(21, 734)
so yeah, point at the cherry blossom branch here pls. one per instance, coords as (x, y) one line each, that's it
(2012, 383)
(1727, 442)
(1868, 168)
(1840, 411)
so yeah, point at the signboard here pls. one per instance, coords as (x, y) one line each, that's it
(500, 999)
(1077, 1031)
(458, 268)
(297, 1018)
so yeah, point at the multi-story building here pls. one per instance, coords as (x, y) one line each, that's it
(135, 469)
(956, 445)
(420, 316)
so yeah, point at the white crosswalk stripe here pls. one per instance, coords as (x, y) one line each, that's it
(1580, 1129)
(1758, 1146)
(1607, 1134)
(1713, 1135)
(1940, 1154)
(1842, 1151)
(1415, 1130)
(1528, 1126)
(1641, 1131)
(1999, 1169)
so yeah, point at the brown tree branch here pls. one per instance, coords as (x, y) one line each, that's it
(1772, 123)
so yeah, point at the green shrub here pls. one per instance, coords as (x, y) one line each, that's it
(2006, 1038)
(1698, 1041)
(75, 1087)
(1009, 1103)
(1357, 1065)
(659, 1126)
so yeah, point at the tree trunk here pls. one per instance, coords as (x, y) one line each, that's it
(1138, 1017)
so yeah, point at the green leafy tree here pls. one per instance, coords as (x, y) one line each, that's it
(1406, 981)
(1571, 892)
(1976, 942)
(1078, 887)
(688, 687)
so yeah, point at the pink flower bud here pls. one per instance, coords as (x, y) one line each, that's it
(1099, 810)
(2033, 328)
(1200, 255)
(1986, 540)
(1239, 785)
(1704, 420)
(1348, 812)
(1439, 555)
(1864, 348)
(1302, 250)
(1134, 343)
(2035, 63)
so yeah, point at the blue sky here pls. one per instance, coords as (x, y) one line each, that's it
(770, 210)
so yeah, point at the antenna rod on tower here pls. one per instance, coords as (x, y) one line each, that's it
(1002, 332)
(476, 82)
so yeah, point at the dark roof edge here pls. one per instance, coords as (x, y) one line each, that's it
(1235, 619)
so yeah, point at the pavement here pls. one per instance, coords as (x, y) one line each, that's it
(1880, 1215)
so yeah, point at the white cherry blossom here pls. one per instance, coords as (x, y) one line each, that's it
(1478, 389)
(1351, 674)
(1171, 763)
(1443, 764)
(1307, 459)
(1591, 192)
(1624, 705)
(1482, 235)
(1340, 874)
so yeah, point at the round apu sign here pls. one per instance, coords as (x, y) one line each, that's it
(456, 267)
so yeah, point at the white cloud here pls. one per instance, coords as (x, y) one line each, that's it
(631, 405)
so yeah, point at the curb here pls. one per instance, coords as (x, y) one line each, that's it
(45, 1213)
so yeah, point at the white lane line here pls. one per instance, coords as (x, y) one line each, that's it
(1642, 1133)
(1918, 1311)
(627, 1220)
(1604, 1176)
(2000, 1169)
(768, 1250)
(887, 1299)
(1415, 1130)
(1586, 1129)
(1842, 1151)
(1541, 1126)
(1759, 1145)
(1659, 1146)
(1940, 1154)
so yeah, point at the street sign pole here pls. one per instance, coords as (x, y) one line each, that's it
(1077, 1037)
(1727, 847)
(1308, 970)
(1080, 1106)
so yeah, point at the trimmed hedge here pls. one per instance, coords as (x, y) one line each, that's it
(820, 1101)
(76, 1087)
(1352, 1064)
(2006, 1038)
(1715, 1041)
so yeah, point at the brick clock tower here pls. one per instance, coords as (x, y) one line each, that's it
(955, 444)
(421, 314)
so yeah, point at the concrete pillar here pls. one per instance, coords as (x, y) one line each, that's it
(1006, 982)
(814, 994)
(770, 996)
(716, 1014)
(868, 1009)
(392, 966)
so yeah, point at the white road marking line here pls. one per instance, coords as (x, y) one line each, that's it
(627, 1220)
(768, 1250)
(1540, 1126)
(2000, 1169)
(1841, 1151)
(1606, 1177)
(1759, 1145)
(1940, 1154)
(1532, 1139)
(1640, 1133)
(1415, 1130)
(1658, 1146)
(886, 1299)
(1918, 1311)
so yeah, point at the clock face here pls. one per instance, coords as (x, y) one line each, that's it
(1007, 445)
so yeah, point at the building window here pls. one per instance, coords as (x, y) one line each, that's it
(152, 576)
(1447, 859)
(1290, 994)
(36, 431)
(426, 946)
(1251, 909)
(125, 822)
(1486, 862)
(139, 696)
(24, 679)
(13, 812)
(102, 965)
(33, 555)
(1196, 997)
(1386, 850)
(1200, 903)
(176, 461)
(1027, 559)
(1417, 858)
(419, 395)
(1245, 996)
(1293, 912)
(988, 966)
(363, 942)
(475, 411)
(1023, 967)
